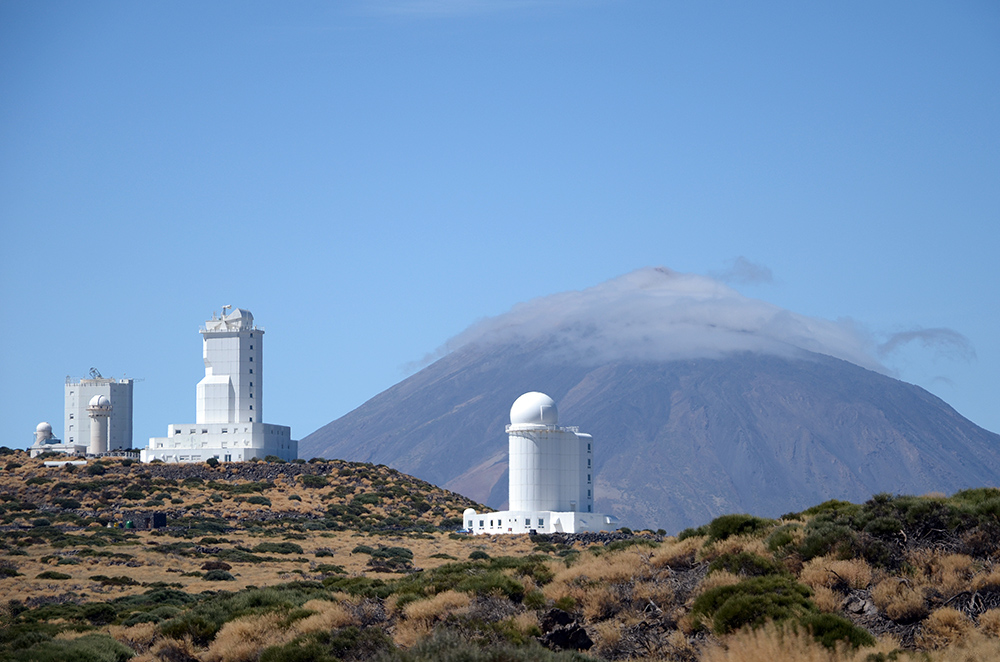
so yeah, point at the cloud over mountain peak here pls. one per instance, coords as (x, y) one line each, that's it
(659, 314)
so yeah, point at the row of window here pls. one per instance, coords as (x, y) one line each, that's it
(527, 523)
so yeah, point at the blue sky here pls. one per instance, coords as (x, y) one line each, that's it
(371, 178)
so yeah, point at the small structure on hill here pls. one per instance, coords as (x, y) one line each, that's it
(550, 473)
(45, 442)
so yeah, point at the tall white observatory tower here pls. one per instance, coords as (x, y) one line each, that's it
(550, 467)
(550, 473)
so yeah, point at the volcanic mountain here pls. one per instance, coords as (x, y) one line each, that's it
(701, 402)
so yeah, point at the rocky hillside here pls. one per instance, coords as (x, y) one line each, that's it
(282, 563)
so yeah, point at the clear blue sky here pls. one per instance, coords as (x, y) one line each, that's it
(370, 178)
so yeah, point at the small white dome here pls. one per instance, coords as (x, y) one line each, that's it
(534, 408)
(99, 401)
(43, 427)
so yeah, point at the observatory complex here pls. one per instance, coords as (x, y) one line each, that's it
(229, 413)
(551, 476)
(97, 419)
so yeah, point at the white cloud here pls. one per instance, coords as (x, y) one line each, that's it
(659, 314)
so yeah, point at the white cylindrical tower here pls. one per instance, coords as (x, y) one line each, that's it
(43, 432)
(99, 411)
(544, 458)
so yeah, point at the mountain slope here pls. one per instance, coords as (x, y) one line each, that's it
(677, 442)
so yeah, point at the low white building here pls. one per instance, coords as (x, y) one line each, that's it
(550, 473)
(45, 442)
(228, 422)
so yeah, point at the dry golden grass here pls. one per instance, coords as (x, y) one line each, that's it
(898, 599)
(329, 615)
(718, 578)
(677, 553)
(437, 607)
(139, 638)
(974, 648)
(773, 643)
(950, 574)
(733, 545)
(826, 599)
(944, 627)
(990, 579)
(989, 622)
(828, 571)
(243, 639)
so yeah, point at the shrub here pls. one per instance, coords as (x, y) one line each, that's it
(362, 549)
(259, 500)
(277, 548)
(479, 555)
(746, 564)
(830, 629)
(96, 469)
(52, 574)
(752, 602)
(309, 480)
(273, 459)
(736, 525)
(899, 601)
(218, 576)
(212, 462)
(824, 537)
(100, 613)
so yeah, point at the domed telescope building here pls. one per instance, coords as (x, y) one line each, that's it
(551, 476)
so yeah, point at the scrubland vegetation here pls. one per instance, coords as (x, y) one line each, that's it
(328, 561)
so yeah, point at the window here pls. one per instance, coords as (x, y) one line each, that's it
(588, 448)
(251, 420)
(527, 522)
(193, 430)
(229, 458)
(251, 384)
(588, 479)
(481, 523)
(72, 416)
(590, 509)
(251, 346)
(588, 462)
(251, 359)
(470, 524)
(541, 522)
(204, 431)
(251, 406)
(251, 395)
(225, 430)
(588, 494)
(491, 524)
(251, 371)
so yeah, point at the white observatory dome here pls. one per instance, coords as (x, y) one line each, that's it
(99, 401)
(534, 408)
(43, 427)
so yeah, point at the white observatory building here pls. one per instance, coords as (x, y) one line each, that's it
(551, 476)
(229, 413)
(79, 419)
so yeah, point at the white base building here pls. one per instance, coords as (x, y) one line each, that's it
(551, 476)
(226, 442)
(78, 421)
(230, 400)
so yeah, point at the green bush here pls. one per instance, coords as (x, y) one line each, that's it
(830, 629)
(259, 500)
(479, 555)
(52, 574)
(99, 613)
(746, 564)
(737, 525)
(88, 648)
(752, 602)
(309, 480)
(277, 548)
(218, 576)
(212, 462)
